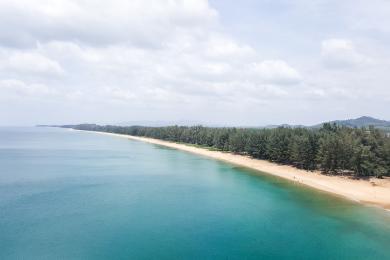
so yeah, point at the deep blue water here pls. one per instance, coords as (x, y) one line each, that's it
(76, 195)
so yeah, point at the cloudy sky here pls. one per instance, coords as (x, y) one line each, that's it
(249, 62)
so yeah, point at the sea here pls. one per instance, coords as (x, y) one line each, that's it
(67, 194)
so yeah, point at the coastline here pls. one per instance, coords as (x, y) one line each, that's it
(373, 192)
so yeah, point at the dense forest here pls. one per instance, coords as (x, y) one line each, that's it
(333, 149)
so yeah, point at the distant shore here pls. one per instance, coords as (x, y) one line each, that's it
(374, 191)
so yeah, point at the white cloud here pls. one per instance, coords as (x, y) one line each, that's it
(144, 55)
(329, 93)
(276, 72)
(20, 88)
(220, 46)
(340, 53)
(118, 94)
(150, 50)
(69, 51)
(31, 62)
(136, 22)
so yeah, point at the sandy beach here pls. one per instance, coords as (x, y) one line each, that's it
(375, 192)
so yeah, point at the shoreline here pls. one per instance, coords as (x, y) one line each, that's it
(372, 192)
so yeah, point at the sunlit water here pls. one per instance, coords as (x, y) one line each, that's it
(75, 195)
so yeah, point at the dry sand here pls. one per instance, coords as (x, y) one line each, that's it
(371, 192)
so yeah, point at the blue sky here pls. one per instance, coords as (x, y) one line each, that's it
(214, 62)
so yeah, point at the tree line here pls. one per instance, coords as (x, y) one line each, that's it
(332, 149)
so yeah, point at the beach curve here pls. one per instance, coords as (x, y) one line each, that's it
(373, 192)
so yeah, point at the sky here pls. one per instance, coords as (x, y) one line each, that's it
(217, 62)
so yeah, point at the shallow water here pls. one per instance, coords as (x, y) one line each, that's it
(76, 195)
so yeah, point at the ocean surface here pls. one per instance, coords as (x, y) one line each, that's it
(75, 195)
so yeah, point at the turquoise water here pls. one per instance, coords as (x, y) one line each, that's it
(75, 195)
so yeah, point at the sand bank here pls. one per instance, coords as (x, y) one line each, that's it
(372, 192)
